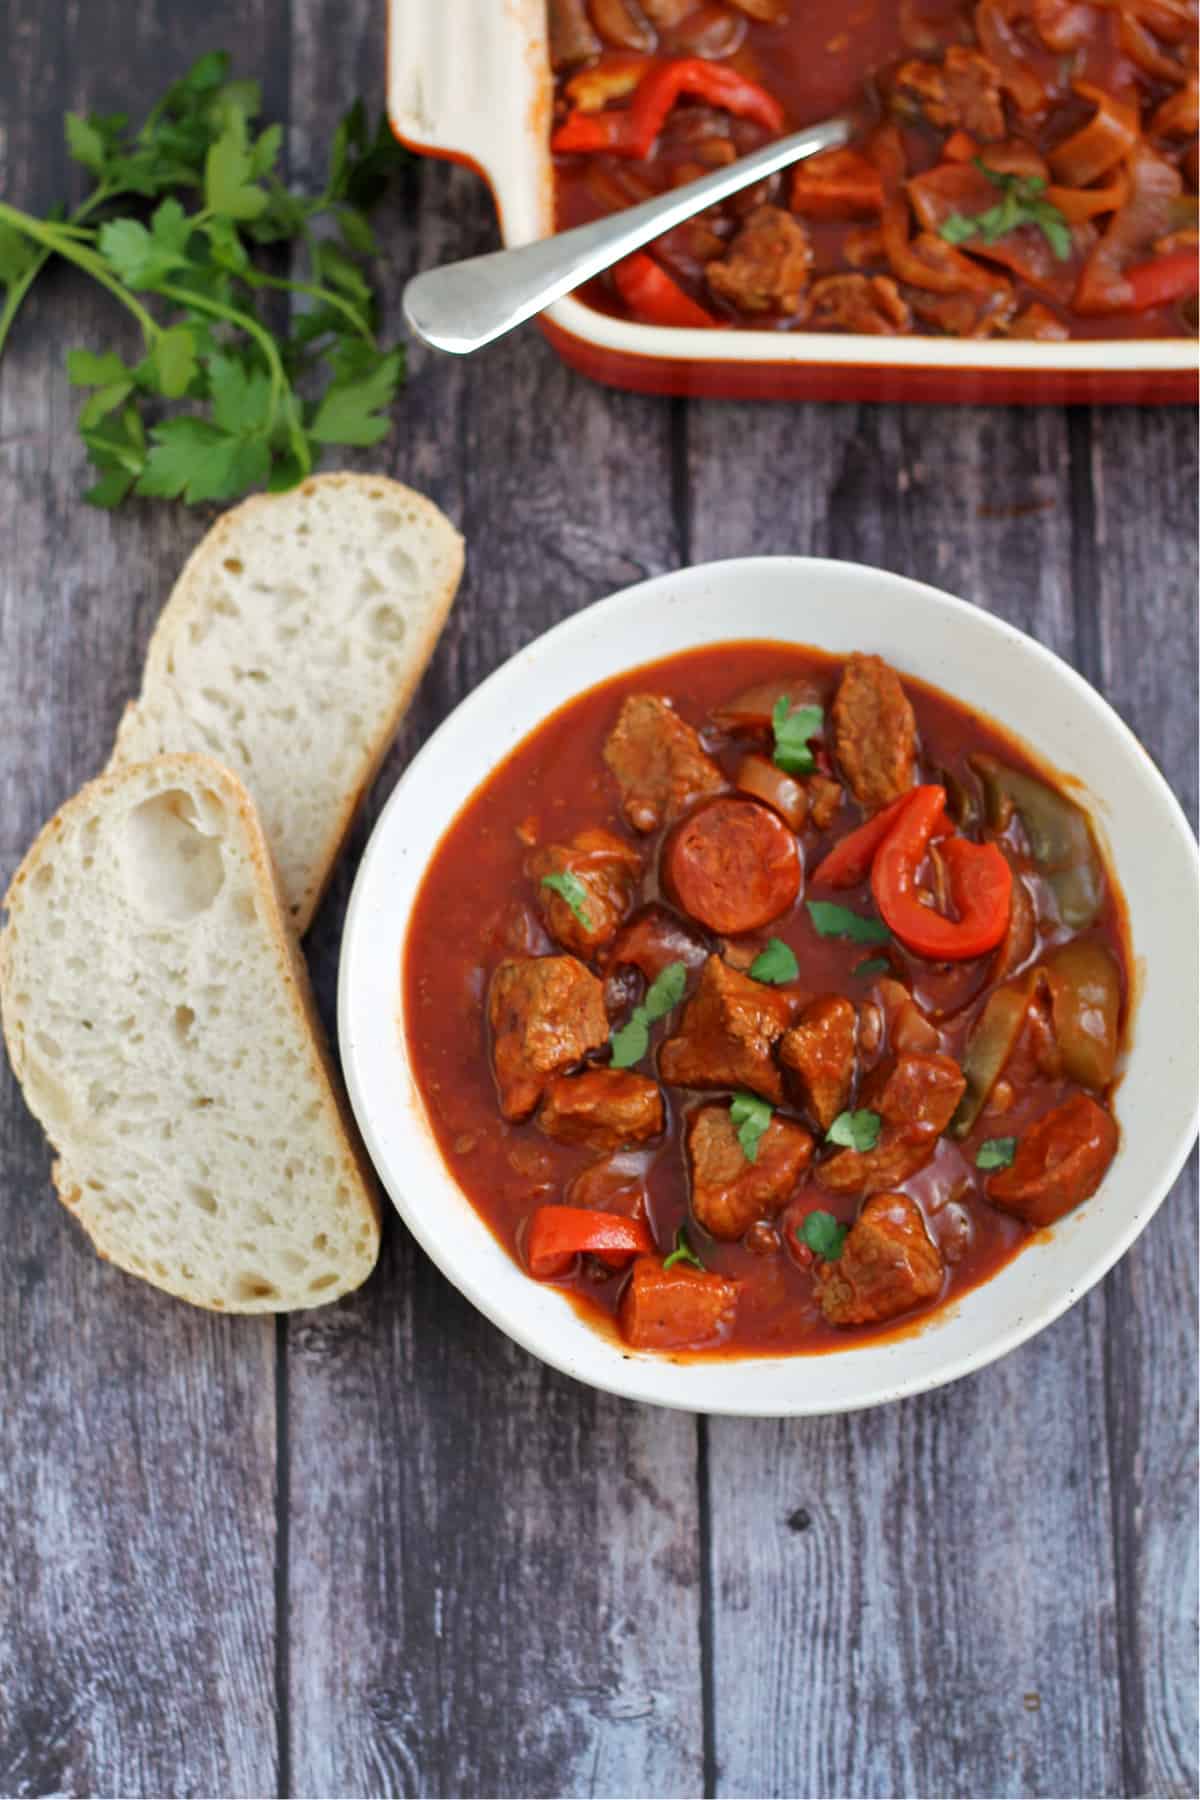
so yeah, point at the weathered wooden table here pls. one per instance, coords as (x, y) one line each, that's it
(378, 1550)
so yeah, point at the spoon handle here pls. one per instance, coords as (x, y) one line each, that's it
(464, 305)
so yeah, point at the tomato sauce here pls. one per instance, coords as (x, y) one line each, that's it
(477, 905)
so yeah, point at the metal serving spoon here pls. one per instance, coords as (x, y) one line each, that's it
(464, 305)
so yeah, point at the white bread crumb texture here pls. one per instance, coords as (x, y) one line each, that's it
(156, 1017)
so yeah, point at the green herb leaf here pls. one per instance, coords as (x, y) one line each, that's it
(349, 414)
(751, 1115)
(874, 965)
(823, 1234)
(1023, 203)
(135, 256)
(632, 1041)
(195, 460)
(996, 1153)
(792, 732)
(683, 1252)
(85, 143)
(174, 358)
(831, 920)
(856, 1130)
(86, 369)
(776, 964)
(229, 186)
(571, 889)
(240, 396)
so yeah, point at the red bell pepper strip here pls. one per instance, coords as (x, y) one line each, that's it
(980, 885)
(558, 1234)
(650, 292)
(850, 859)
(633, 131)
(1171, 277)
(586, 131)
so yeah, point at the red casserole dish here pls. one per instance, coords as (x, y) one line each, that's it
(474, 83)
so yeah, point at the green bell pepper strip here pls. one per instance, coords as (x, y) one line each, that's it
(1060, 838)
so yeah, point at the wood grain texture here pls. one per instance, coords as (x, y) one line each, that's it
(378, 1549)
(495, 1578)
(137, 1470)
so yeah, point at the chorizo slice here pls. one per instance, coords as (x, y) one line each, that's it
(1060, 1161)
(733, 865)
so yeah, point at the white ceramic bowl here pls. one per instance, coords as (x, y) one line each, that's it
(986, 664)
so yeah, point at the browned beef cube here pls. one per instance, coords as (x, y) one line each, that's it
(871, 304)
(676, 1309)
(603, 1108)
(660, 764)
(607, 870)
(915, 1096)
(962, 92)
(819, 1050)
(546, 1013)
(765, 269)
(727, 1033)
(888, 1265)
(874, 732)
(729, 1192)
(824, 798)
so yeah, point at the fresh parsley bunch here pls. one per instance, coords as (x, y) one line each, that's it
(219, 402)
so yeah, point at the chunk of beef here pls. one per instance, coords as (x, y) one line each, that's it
(819, 1050)
(654, 939)
(729, 1192)
(961, 92)
(888, 1265)
(615, 1184)
(727, 1033)
(866, 303)
(546, 1012)
(607, 870)
(1060, 1161)
(765, 269)
(874, 732)
(602, 1108)
(824, 798)
(915, 1097)
(659, 762)
(676, 1309)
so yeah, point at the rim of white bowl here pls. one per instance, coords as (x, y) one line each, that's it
(370, 993)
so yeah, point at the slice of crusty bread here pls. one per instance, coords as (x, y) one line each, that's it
(159, 1018)
(289, 649)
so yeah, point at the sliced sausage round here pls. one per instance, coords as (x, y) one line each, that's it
(733, 865)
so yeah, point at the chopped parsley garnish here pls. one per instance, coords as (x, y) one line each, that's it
(856, 1130)
(792, 732)
(874, 965)
(751, 1116)
(632, 1041)
(683, 1252)
(996, 1153)
(776, 963)
(1022, 202)
(572, 890)
(831, 920)
(823, 1235)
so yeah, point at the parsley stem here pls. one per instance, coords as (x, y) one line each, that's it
(87, 260)
(244, 322)
(327, 297)
(19, 288)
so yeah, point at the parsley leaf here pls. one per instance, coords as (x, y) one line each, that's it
(226, 402)
(831, 920)
(856, 1130)
(874, 965)
(571, 889)
(683, 1252)
(996, 1153)
(1023, 202)
(777, 963)
(632, 1041)
(792, 732)
(751, 1116)
(823, 1235)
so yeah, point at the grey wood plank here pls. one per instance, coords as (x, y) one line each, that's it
(494, 1573)
(944, 1619)
(1140, 568)
(137, 1494)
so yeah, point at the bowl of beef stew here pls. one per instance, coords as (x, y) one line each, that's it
(784, 1024)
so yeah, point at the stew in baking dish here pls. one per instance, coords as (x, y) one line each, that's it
(762, 999)
(1030, 172)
